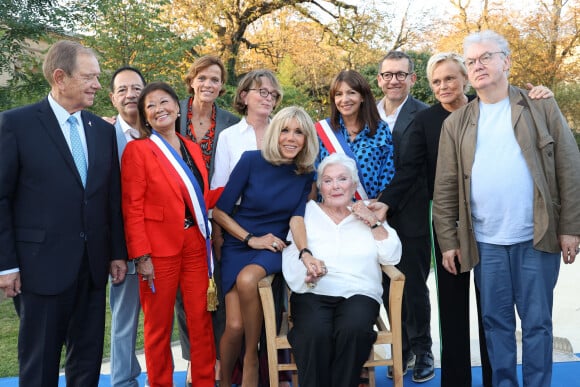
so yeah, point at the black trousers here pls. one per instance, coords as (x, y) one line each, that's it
(75, 318)
(454, 327)
(416, 315)
(331, 338)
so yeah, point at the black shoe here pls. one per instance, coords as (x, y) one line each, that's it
(408, 363)
(424, 368)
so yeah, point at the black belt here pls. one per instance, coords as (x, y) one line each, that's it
(189, 222)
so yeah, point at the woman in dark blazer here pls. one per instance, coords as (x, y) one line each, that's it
(202, 121)
(165, 200)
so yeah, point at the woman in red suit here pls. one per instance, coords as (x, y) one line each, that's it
(165, 200)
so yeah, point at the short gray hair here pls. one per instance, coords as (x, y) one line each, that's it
(63, 55)
(487, 36)
(337, 159)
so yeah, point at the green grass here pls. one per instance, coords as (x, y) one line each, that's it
(9, 337)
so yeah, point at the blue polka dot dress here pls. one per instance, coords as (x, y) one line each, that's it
(373, 154)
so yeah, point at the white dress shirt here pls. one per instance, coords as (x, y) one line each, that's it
(62, 116)
(391, 119)
(129, 132)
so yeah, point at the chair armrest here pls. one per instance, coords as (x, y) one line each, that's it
(393, 273)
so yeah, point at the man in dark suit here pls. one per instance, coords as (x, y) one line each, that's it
(407, 199)
(61, 229)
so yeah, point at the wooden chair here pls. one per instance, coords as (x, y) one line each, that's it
(278, 340)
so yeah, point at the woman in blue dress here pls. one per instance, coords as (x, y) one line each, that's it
(272, 185)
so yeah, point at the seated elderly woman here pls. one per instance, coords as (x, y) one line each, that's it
(336, 281)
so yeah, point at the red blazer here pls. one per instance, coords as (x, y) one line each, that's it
(153, 205)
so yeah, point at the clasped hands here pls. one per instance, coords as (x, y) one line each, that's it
(315, 269)
(370, 213)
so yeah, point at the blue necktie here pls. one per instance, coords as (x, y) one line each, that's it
(77, 149)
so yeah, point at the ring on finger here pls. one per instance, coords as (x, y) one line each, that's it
(275, 245)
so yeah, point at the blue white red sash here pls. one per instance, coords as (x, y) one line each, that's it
(338, 144)
(192, 193)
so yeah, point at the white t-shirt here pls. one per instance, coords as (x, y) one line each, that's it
(350, 252)
(502, 188)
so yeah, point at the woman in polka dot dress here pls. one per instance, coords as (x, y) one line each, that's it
(355, 121)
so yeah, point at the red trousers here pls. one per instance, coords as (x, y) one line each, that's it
(187, 270)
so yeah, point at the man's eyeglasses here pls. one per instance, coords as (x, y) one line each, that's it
(484, 59)
(400, 76)
(265, 93)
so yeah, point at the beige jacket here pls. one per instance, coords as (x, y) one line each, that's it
(551, 154)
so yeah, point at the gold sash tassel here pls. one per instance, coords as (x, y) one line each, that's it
(212, 298)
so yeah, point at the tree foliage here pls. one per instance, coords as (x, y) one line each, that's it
(139, 34)
(543, 40)
(22, 24)
(23, 21)
(229, 20)
(305, 42)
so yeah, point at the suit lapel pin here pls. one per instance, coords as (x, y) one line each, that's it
(90, 123)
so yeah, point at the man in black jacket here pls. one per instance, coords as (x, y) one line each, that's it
(408, 202)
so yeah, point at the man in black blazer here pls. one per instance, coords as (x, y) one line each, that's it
(61, 229)
(407, 199)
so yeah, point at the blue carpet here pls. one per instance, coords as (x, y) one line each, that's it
(564, 375)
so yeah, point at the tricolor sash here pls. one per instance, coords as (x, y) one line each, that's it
(338, 144)
(192, 193)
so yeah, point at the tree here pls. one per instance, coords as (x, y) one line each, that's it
(543, 42)
(25, 21)
(23, 24)
(228, 21)
(549, 44)
(139, 34)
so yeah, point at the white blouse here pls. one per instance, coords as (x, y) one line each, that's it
(232, 142)
(350, 252)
